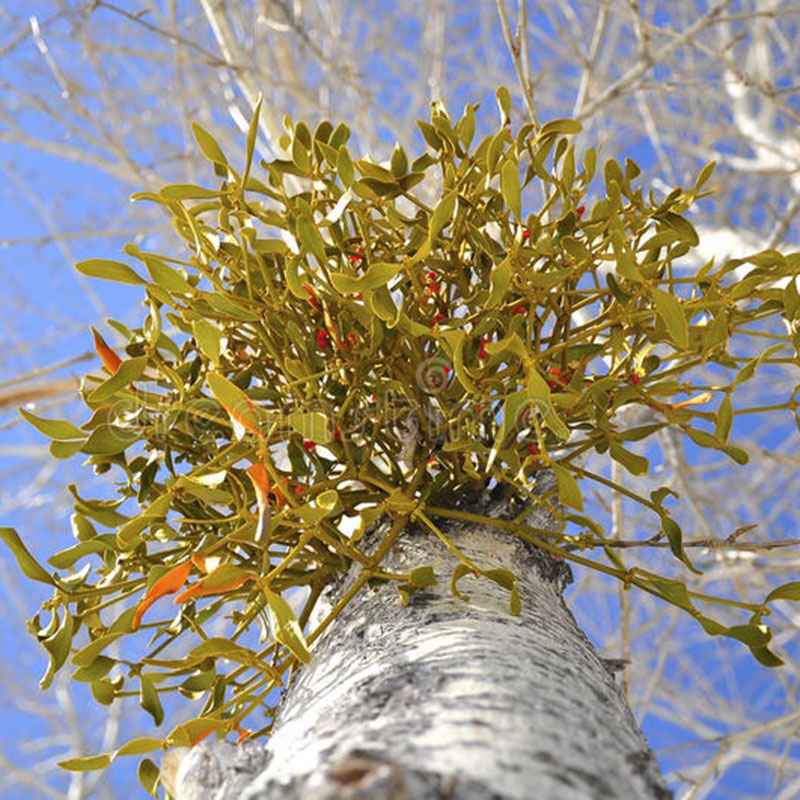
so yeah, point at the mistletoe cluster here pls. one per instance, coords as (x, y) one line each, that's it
(335, 344)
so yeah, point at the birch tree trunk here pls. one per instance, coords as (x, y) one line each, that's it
(444, 698)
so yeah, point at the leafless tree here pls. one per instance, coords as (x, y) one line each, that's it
(96, 101)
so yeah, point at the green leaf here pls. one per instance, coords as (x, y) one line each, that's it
(27, 563)
(99, 668)
(128, 371)
(312, 425)
(512, 408)
(149, 700)
(208, 494)
(208, 338)
(442, 215)
(420, 577)
(138, 746)
(149, 776)
(285, 627)
(748, 370)
(458, 573)
(236, 403)
(102, 511)
(789, 591)
(539, 394)
(681, 226)
(503, 104)
(704, 174)
(674, 536)
(724, 419)
(86, 763)
(310, 239)
(167, 277)
(106, 440)
(556, 126)
(66, 449)
(85, 656)
(250, 148)
(378, 274)
(57, 646)
(568, 489)
(325, 505)
(58, 429)
(635, 464)
(103, 691)
(766, 657)
(465, 129)
(208, 145)
(508, 580)
(109, 271)
(344, 166)
(66, 558)
(188, 191)
(510, 189)
(671, 312)
(399, 162)
(673, 591)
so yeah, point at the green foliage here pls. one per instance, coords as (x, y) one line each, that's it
(320, 303)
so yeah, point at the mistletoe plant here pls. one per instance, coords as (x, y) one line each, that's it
(333, 344)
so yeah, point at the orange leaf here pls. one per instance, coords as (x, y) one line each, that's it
(260, 480)
(692, 401)
(244, 733)
(202, 735)
(215, 583)
(168, 583)
(110, 359)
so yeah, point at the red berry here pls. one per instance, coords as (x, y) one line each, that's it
(482, 352)
(579, 210)
(299, 489)
(526, 234)
(308, 444)
(322, 339)
(635, 378)
(337, 437)
(431, 276)
(357, 295)
(437, 318)
(533, 449)
(519, 310)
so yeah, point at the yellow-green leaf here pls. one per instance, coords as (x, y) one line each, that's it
(149, 700)
(312, 425)
(86, 763)
(58, 429)
(128, 371)
(286, 628)
(670, 310)
(568, 489)
(30, 567)
(109, 270)
(509, 187)
(208, 145)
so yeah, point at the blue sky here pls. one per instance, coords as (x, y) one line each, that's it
(46, 315)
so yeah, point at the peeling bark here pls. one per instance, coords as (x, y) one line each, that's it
(444, 698)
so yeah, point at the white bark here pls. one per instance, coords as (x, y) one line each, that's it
(445, 698)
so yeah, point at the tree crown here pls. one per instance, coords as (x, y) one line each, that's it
(345, 340)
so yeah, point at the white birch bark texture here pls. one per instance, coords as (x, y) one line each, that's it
(444, 698)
